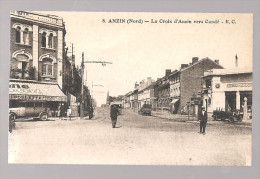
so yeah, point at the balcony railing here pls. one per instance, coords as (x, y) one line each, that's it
(22, 74)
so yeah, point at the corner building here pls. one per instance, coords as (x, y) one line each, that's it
(36, 57)
(37, 41)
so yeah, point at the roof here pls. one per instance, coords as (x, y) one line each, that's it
(231, 71)
(204, 59)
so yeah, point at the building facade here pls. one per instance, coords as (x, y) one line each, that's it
(226, 89)
(162, 92)
(36, 58)
(145, 92)
(175, 90)
(190, 79)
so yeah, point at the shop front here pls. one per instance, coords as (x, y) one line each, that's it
(228, 91)
(31, 98)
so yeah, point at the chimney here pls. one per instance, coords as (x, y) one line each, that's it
(195, 59)
(217, 61)
(184, 66)
(136, 85)
(167, 72)
(149, 81)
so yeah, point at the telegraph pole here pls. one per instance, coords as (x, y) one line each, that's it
(82, 82)
(82, 88)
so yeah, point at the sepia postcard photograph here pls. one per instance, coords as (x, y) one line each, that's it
(130, 88)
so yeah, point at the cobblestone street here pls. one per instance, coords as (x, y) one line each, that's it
(137, 140)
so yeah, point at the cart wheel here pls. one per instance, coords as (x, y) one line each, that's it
(231, 119)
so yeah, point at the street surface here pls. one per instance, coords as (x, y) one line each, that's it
(137, 140)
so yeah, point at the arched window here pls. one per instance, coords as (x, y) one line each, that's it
(47, 67)
(44, 39)
(26, 36)
(18, 34)
(50, 43)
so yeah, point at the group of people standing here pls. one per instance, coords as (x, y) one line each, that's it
(66, 111)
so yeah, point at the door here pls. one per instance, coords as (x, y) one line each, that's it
(230, 102)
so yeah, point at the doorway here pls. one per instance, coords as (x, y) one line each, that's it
(230, 101)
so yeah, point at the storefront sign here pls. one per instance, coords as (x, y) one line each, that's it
(35, 98)
(23, 89)
(234, 85)
(164, 100)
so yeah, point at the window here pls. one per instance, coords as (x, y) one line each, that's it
(47, 67)
(26, 36)
(44, 39)
(50, 43)
(22, 64)
(18, 34)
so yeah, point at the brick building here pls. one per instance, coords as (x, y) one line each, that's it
(173, 91)
(37, 57)
(37, 41)
(187, 81)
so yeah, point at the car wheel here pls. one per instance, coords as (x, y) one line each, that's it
(239, 118)
(44, 116)
(215, 118)
(12, 117)
(231, 119)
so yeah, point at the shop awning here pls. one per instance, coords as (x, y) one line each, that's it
(35, 91)
(174, 101)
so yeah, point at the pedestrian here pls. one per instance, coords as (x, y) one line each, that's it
(69, 113)
(203, 117)
(60, 111)
(90, 110)
(113, 115)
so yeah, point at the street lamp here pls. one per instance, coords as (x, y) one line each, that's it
(82, 82)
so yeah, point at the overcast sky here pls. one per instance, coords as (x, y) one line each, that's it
(138, 51)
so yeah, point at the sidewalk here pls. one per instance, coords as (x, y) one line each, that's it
(191, 119)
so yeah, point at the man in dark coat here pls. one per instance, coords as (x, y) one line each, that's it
(113, 115)
(91, 111)
(203, 117)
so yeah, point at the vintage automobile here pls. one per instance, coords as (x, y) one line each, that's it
(34, 110)
(146, 109)
(235, 116)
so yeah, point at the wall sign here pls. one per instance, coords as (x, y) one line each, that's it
(234, 85)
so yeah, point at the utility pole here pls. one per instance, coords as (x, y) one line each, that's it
(82, 82)
(82, 88)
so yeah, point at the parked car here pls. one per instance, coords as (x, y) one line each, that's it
(34, 110)
(146, 109)
(235, 116)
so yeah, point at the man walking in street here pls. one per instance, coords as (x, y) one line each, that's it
(91, 111)
(203, 117)
(113, 115)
